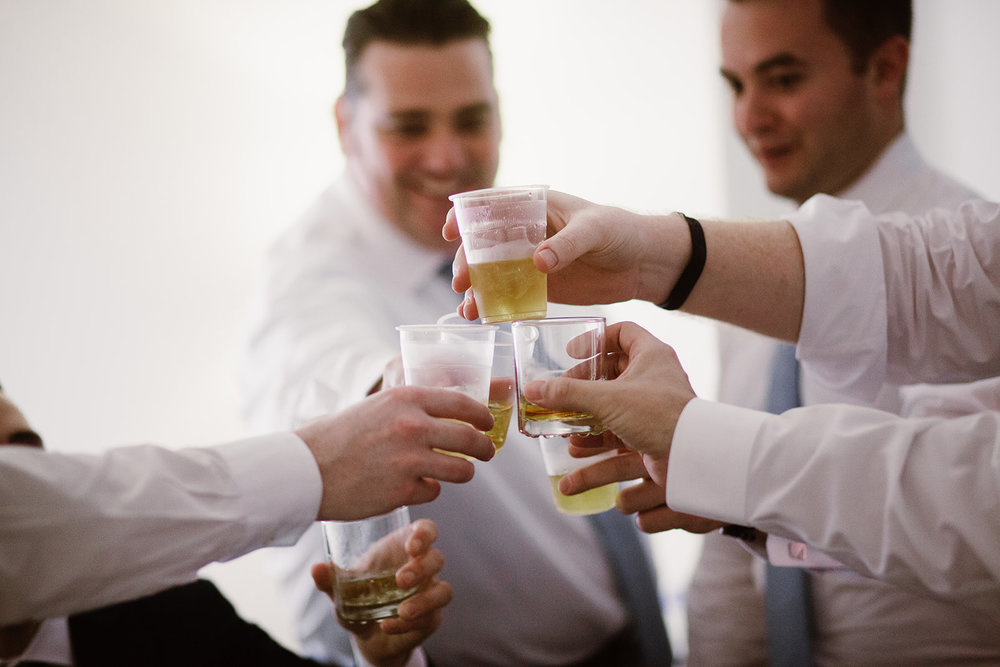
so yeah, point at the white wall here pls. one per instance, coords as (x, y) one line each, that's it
(149, 151)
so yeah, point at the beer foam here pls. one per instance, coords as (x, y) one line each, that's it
(515, 249)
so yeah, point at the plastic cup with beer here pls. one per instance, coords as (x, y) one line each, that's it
(365, 555)
(500, 228)
(559, 463)
(452, 356)
(549, 348)
(502, 393)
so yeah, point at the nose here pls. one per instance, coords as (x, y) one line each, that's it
(444, 151)
(753, 113)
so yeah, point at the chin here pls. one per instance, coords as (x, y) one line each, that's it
(782, 187)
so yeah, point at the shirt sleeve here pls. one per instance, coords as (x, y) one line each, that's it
(898, 299)
(82, 531)
(879, 493)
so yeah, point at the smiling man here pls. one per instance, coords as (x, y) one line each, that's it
(418, 121)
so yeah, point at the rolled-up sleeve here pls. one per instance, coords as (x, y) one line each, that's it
(898, 299)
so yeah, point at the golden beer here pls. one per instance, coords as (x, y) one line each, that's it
(501, 411)
(593, 501)
(369, 598)
(510, 289)
(534, 420)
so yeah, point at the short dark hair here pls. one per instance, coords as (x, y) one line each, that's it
(431, 22)
(864, 25)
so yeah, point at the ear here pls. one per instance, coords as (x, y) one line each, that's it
(342, 110)
(888, 67)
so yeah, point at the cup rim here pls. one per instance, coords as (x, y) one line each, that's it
(445, 327)
(504, 190)
(550, 321)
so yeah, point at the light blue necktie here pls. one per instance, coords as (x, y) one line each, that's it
(787, 601)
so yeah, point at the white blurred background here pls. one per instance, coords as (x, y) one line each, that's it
(150, 151)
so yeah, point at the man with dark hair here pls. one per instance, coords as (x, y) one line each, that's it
(406, 22)
(864, 26)
(417, 122)
(817, 92)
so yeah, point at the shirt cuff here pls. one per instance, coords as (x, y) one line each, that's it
(786, 553)
(279, 483)
(709, 460)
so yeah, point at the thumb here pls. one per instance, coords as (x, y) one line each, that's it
(564, 247)
(562, 393)
(568, 238)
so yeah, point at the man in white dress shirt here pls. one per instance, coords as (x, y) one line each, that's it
(419, 121)
(817, 93)
(910, 501)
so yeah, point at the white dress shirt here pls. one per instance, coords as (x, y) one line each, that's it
(856, 618)
(531, 585)
(83, 531)
(911, 501)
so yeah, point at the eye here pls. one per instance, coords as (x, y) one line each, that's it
(785, 80)
(474, 120)
(735, 85)
(471, 125)
(410, 130)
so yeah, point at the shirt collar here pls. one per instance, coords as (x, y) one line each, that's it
(892, 172)
(411, 265)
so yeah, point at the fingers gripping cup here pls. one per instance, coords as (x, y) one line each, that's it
(451, 356)
(365, 555)
(500, 228)
(559, 463)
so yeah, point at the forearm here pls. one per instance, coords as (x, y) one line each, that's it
(754, 277)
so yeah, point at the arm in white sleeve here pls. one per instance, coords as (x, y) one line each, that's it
(898, 299)
(318, 339)
(82, 531)
(913, 502)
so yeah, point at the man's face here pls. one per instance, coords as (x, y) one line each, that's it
(805, 115)
(425, 126)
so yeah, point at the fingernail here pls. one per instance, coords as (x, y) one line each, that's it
(533, 390)
(406, 579)
(547, 257)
